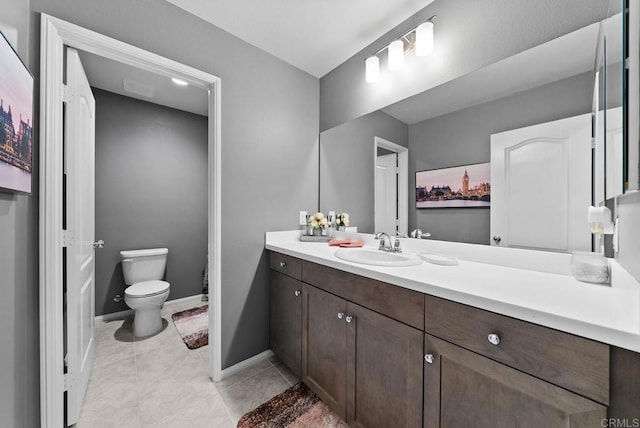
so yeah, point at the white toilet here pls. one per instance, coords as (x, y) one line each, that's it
(143, 272)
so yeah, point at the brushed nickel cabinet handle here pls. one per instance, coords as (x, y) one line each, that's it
(340, 315)
(297, 293)
(348, 319)
(282, 264)
(429, 358)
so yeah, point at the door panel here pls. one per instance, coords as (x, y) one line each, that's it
(541, 185)
(285, 305)
(80, 232)
(386, 194)
(384, 366)
(464, 389)
(324, 347)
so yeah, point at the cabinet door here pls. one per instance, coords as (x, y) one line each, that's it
(324, 347)
(384, 371)
(464, 389)
(285, 319)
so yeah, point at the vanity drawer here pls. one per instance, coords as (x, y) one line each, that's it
(578, 364)
(399, 303)
(287, 265)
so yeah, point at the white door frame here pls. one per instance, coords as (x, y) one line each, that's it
(54, 35)
(403, 179)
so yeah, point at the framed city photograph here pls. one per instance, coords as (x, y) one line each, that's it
(466, 186)
(16, 121)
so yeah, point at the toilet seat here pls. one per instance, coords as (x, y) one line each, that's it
(146, 289)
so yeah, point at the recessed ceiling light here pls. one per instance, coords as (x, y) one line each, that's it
(179, 82)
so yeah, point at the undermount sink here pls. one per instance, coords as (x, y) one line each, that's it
(376, 257)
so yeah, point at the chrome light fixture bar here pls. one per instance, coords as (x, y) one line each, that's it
(419, 37)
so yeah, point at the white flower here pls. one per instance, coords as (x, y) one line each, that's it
(323, 222)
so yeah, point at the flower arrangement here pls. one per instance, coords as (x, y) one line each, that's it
(318, 220)
(342, 220)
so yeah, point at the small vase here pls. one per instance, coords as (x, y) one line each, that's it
(317, 231)
(341, 228)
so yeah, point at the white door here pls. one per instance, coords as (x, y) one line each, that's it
(541, 186)
(79, 167)
(386, 194)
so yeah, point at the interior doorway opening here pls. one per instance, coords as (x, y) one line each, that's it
(55, 36)
(391, 187)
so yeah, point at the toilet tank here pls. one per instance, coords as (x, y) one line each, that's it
(143, 265)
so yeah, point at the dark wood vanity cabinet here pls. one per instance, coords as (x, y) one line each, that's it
(285, 310)
(367, 367)
(384, 356)
(464, 389)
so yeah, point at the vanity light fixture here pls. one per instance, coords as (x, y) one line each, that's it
(179, 82)
(372, 69)
(420, 38)
(396, 55)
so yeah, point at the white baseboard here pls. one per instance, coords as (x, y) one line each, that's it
(129, 312)
(246, 363)
(114, 316)
(197, 297)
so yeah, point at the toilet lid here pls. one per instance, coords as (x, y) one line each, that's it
(147, 288)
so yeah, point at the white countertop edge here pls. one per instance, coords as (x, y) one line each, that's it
(627, 338)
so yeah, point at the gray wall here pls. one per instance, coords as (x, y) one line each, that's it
(463, 138)
(151, 191)
(269, 143)
(469, 34)
(346, 165)
(19, 331)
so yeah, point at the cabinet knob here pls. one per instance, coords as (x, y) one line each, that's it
(297, 293)
(429, 358)
(494, 339)
(497, 239)
(340, 315)
(282, 264)
(348, 318)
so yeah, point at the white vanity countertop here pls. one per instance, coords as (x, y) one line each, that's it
(494, 279)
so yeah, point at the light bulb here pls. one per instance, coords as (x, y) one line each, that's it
(424, 39)
(396, 55)
(372, 69)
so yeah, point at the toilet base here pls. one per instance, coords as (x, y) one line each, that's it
(147, 321)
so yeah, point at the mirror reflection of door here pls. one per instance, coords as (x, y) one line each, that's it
(541, 186)
(391, 187)
(386, 198)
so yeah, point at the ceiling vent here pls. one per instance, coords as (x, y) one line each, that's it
(137, 88)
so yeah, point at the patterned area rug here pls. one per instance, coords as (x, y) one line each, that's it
(193, 326)
(297, 407)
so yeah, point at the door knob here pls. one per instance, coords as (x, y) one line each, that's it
(98, 244)
(348, 318)
(340, 315)
(282, 264)
(429, 358)
(296, 293)
(497, 239)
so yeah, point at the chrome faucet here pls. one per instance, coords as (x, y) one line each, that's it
(395, 248)
(383, 246)
(418, 234)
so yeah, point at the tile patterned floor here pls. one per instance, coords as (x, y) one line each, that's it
(158, 382)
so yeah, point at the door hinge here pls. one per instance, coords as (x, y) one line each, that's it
(67, 94)
(67, 238)
(68, 381)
